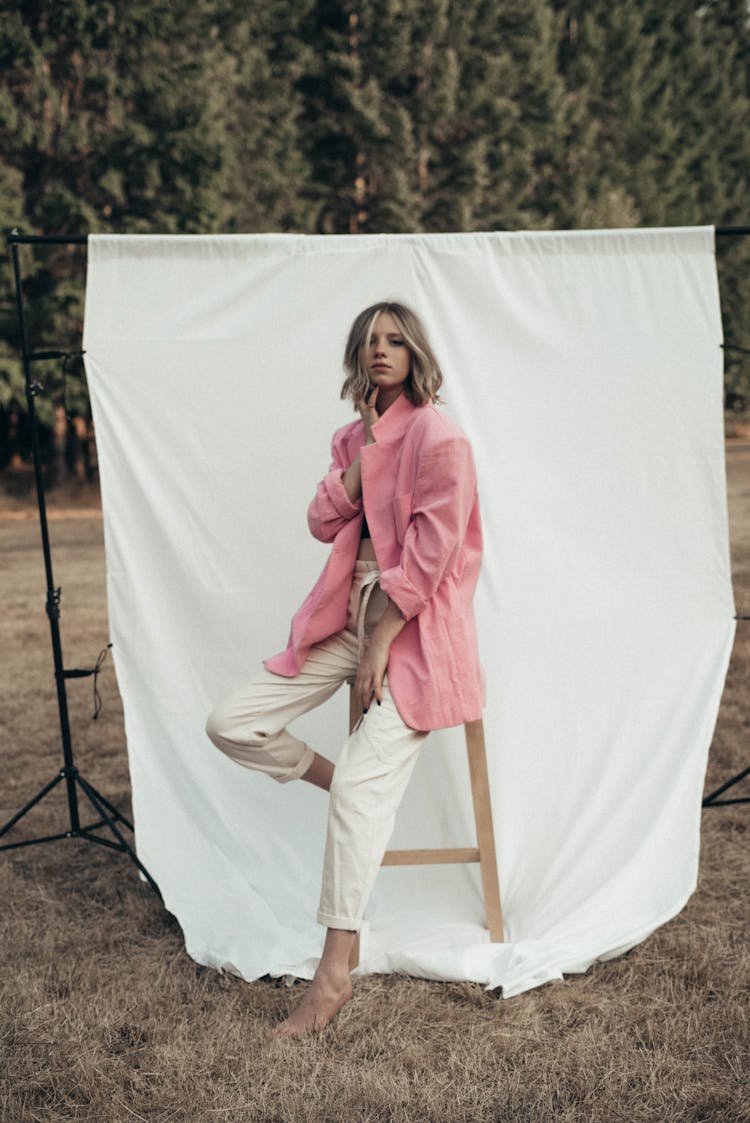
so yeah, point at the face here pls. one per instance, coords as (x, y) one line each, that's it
(386, 358)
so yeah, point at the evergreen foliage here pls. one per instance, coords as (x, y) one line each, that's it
(665, 90)
(109, 120)
(348, 116)
(262, 57)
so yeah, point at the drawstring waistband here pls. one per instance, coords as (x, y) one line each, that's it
(366, 576)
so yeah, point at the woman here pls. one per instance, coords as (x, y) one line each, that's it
(392, 612)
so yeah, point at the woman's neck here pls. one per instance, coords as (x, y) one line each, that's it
(387, 400)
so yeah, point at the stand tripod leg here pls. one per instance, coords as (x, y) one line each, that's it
(115, 814)
(96, 801)
(32, 803)
(712, 801)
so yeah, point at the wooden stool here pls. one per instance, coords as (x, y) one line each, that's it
(483, 852)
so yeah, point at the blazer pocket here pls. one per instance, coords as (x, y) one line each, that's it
(402, 515)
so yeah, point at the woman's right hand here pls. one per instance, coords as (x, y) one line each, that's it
(369, 413)
(352, 477)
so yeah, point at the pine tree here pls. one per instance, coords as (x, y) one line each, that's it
(109, 119)
(346, 116)
(610, 73)
(111, 114)
(725, 90)
(265, 55)
(357, 120)
(510, 114)
(428, 116)
(665, 89)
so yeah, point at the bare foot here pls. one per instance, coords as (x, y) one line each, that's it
(326, 996)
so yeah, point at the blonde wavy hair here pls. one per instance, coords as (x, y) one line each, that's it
(425, 377)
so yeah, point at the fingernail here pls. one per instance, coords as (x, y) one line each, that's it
(364, 711)
(378, 701)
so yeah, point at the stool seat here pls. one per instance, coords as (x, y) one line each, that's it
(483, 852)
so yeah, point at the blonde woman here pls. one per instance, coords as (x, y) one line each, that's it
(391, 613)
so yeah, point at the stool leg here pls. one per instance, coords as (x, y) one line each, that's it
(480, 793)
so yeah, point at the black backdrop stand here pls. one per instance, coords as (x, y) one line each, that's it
(712, 800)
(108, 815)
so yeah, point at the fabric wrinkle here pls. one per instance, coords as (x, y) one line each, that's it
(374, 765)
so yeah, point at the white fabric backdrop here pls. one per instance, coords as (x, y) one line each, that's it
(586, 369)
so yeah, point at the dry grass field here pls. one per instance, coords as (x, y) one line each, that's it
(105, 1019)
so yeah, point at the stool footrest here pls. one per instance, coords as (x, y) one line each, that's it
(430, 857)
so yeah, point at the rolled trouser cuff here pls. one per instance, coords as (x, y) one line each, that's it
(346, 922)
(299, 769)
(281, 758)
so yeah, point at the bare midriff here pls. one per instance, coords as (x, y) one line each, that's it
(366, 550)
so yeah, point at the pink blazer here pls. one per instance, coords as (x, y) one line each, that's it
(420, 497)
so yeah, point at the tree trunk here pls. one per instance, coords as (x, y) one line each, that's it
(59, 444)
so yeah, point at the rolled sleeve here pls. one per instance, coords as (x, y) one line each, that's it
(444, 495)
(331, 508)
(343, 506)
(399, 588)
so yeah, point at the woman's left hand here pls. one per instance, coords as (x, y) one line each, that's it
(371, 671)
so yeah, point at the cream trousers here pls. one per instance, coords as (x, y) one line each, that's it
(372, 770)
